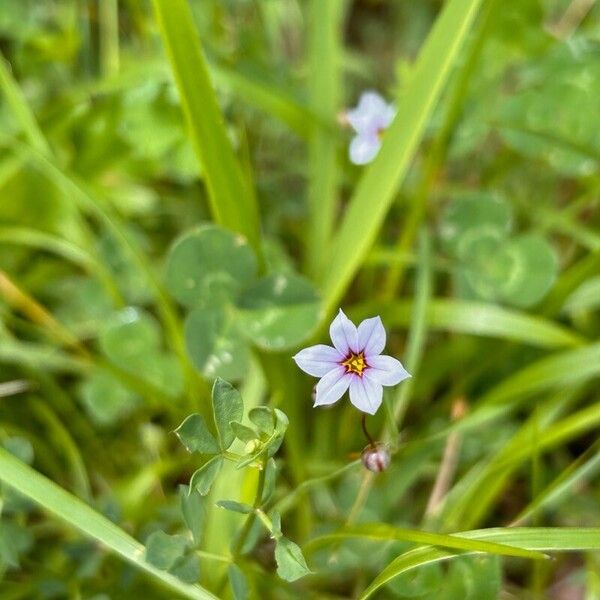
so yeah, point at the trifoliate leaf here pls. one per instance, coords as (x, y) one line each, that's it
(290, 560)
(238, 507)
(227, 407)
(238, 583)
(162, 549)
(205, 476)
(195, 436)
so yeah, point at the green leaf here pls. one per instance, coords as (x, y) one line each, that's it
(585, 298)
(243, 433)
(205, 476)
(227, 407)
(475, 318)
(192, 511)
(378, 186)
(162, 549)
(215, 347)
(186, 568)
(129, 336)
(105, 400)
(475, 212)
(535, 271)
(325, 59)
(92, 524)
(276, 524)
(238, 507)
(546, 539)
(561, 369)
(195, 436)
(279, 311)
(264, 418)
(383, 531)
(20, 447)
(231, 197)
(209, 266)
(15, 540)
(238, 583)
(290, 560)
(132, 341)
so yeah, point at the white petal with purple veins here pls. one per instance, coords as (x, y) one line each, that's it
(364, 148)
(344, 334)
(386, 370)
(371, 336)
(366, 394)
(332, 386)
(318, 360)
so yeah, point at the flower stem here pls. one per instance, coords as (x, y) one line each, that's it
(260, 488)
(363, 422)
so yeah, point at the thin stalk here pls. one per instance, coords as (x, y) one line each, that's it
(260, 488)
(416, 342)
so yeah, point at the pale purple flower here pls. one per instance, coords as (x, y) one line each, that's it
(355, 363)
(371, 117)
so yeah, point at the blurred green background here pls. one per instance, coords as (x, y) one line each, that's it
(485, 270)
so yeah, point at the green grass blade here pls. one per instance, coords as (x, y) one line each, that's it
(476, 318)
(18, 104)
(377, 187)
(47, 242)
(570, 367)
(385, 532)
(419, 323)
(231, 197)
(70, 509)
(324, 79)
(544, 539)
(580, 471)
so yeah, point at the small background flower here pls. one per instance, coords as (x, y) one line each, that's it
(354, 363)
(369, 119)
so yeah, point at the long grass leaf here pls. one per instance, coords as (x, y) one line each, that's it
(20, 108)
(544, 539)
(385, 532)
(476, 318)
(70, 509)
(380, 182)
(570, 367)
(232, 200)
(324, 80)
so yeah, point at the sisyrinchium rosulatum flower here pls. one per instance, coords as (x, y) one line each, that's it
(369, 119)
(354, 363)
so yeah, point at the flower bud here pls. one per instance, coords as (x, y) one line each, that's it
(376, 457)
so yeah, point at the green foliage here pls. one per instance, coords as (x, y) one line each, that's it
(290, 561)
(195, 436)
(163, 550)
(178, 211)
(213, 272)
(493, 266)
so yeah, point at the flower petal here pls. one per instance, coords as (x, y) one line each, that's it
(332, 386)
(318, 360)
(386, 370)
(370, 112)
(366, 394)
(364, 148)
(344, 334)
(371, 336)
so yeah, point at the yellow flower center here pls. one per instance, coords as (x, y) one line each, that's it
(355, 363)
